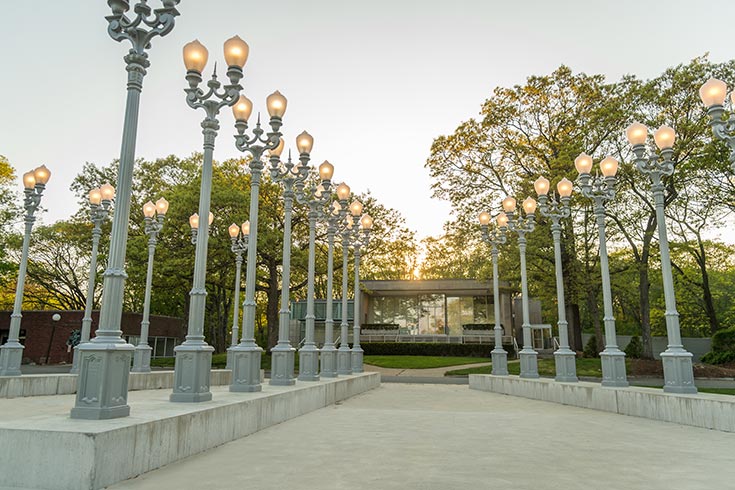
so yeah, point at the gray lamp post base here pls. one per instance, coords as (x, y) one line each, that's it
(529, 363)
(11, 355)
(245, 368)
(344, 360)
(142, 359)
(309, 363)
(613, 368)
(678, 372)
(102, 386)
(357, 355)
(283, 357)
(566, 366)
(229, 359)
(500, 362)
(328, 358)
(192, 373)
(75, 360)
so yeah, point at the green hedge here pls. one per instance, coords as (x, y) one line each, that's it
(723, 347)
(379, 326)
(429, 349)
(478, 326)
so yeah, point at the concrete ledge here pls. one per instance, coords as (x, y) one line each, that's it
(65, 384)
(44, 448)
(709, 411)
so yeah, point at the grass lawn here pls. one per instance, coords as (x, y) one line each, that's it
(585, 367)
(719, 391)
(420, 362)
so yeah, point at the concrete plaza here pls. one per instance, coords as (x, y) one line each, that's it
(409, 436)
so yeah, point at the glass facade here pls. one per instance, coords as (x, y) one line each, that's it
(162, 346)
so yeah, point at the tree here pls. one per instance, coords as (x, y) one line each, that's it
(9, 216)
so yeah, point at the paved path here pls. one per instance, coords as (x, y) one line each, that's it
(430, 372)
(447, 437)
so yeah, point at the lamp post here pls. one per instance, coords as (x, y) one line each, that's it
(194, 224)
(106, 396)
(153, 215)
(239, 236)
(360, 239)
(556, 209)
(100, 200)
(194, 356)
(496, 237)
(11, 353)
(315, 198)
(328, 355)
(344, 355)
(602, 190)
(678, 371)
(713, 94)
(246, 355)
(522, 225)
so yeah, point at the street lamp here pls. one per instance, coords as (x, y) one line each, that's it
(556, 209)
(106, 397)
(328, 357)
(522, 225)
(713, 94)
(678, 371)
(194, 357)
(289, 176)
(344, 355)
(153, 216)
(11, 353)
(194, 224)
(239, 236)
(246, 355)
(100, 201)
(495, 238)
(602, 190)
(316, 197)
(360, 239)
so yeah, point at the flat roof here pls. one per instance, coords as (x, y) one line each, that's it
(466, 287)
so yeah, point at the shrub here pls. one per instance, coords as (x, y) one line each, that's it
(723, 347)
(478, 326)
(379, 326)
(429, 349)
(719, 357)
(590, 350)
(634, 349)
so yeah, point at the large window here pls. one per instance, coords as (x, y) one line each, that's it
(431, 314)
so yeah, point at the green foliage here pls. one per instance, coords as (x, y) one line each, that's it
(723, 348)
(634, 349)
(429, 349)
(724, 357)
(418, 362)
(590, 349)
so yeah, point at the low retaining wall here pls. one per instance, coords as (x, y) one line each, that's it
(43, 448)
(65, 384)
(704, 410)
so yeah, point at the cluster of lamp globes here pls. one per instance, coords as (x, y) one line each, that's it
(37, 176)
(160, 208)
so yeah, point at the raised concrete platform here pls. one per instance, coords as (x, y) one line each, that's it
(65, 384)
(706, 410)
(43, 448)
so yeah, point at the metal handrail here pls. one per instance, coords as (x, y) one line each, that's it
(515, 346)
(557, 345)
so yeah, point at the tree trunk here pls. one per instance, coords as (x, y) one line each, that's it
(645, 309)
(595, 315)
(273, 304)
(709, 304)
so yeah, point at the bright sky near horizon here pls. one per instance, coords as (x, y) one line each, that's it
(374, 82)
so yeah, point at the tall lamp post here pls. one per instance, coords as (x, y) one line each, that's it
(557, 209)
(153, 215)
(316, 197)
(678, 371)
(522, 225)
(239, 236)
(100, 201)
(713, 94)
(11, 353)
(496, 237)
(359, 239)
(106, 396)
(602, 190)
(247, 354)
(344, 355)
(290, 176)
(194, 356)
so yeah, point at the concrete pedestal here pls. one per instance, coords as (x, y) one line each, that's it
(283, 358)
(328, 359)
(309, 363)
(142, 359)
(529, 363)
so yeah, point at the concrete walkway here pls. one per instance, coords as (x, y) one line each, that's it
(420, 373)
(432, 437)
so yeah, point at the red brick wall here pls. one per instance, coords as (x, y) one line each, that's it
(39, 327)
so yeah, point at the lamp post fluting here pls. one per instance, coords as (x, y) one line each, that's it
(601, 190)
(359, 240)
(557, 209)
(495, 238)
(328, 357)
(713, 94)
(11, 353)
(239, 235)
(247, 354)
(344, 354)
(315, 197)
(153, 214)
(289, 176)
(522, 225)
(677, 361)
(106, 396)
(194, 357)
(100, 201)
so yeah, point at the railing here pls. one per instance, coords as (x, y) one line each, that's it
(515, 347)
(557, 345)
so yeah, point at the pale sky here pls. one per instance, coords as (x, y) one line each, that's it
(373, 81)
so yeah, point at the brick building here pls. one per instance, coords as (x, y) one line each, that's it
(45, 339)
